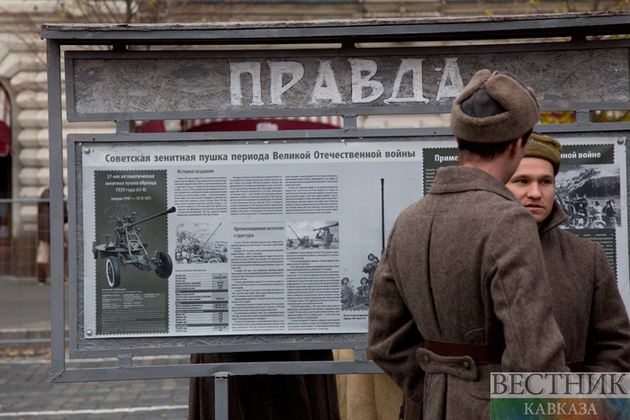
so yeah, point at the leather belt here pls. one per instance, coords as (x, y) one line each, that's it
(489, 354)
(481, 353)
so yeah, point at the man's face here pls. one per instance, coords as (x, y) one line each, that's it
(533, 184)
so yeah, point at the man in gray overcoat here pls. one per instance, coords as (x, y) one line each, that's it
(461, 289)
(586, 304)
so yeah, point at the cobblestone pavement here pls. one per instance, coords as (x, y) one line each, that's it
(26, 388)
(27, 392)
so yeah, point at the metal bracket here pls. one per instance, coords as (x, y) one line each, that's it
(125, 361)
(119, 47)
(347, 43)
(58, 374)
(360, 355)
(125, 127)
(349, 122)
(582, 117)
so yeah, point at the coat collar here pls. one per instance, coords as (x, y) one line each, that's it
(453, 179)
(556, 217)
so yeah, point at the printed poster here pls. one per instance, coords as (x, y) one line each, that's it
(197, 239)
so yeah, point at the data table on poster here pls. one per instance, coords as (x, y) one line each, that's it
(202, 301)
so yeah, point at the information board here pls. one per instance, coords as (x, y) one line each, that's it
(281, 238)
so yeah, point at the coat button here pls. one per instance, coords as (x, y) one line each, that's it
(466, 365)
(426, 359)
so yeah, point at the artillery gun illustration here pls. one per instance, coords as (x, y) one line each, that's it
(129, 249)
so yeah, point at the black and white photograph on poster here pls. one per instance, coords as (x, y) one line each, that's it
(312, 235)
(590, 196)
(197, 244)
(357, 298)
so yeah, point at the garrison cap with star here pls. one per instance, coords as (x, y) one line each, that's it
(545, 147)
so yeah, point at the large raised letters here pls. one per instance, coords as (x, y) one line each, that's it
(325, 88)
(236, 70)
(451, 72)
(413, 65)
(361, 81)
(277, 70)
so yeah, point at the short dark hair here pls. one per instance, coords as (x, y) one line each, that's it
(489, 151)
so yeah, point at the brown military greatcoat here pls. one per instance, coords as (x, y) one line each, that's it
(586, 304)
(462, 265)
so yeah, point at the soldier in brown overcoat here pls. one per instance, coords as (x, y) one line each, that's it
(461, 289)
(587, 305)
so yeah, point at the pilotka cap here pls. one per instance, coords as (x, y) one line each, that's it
(545, 147)
(494, 108)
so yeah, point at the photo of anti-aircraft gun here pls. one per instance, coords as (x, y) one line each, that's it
(323, 239)
(304, 242)
(127, 248)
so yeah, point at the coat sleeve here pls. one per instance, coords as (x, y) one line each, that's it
(608, 340)
(522, 298)
(393, 337)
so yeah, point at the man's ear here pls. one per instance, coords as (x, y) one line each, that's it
(515, 147)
